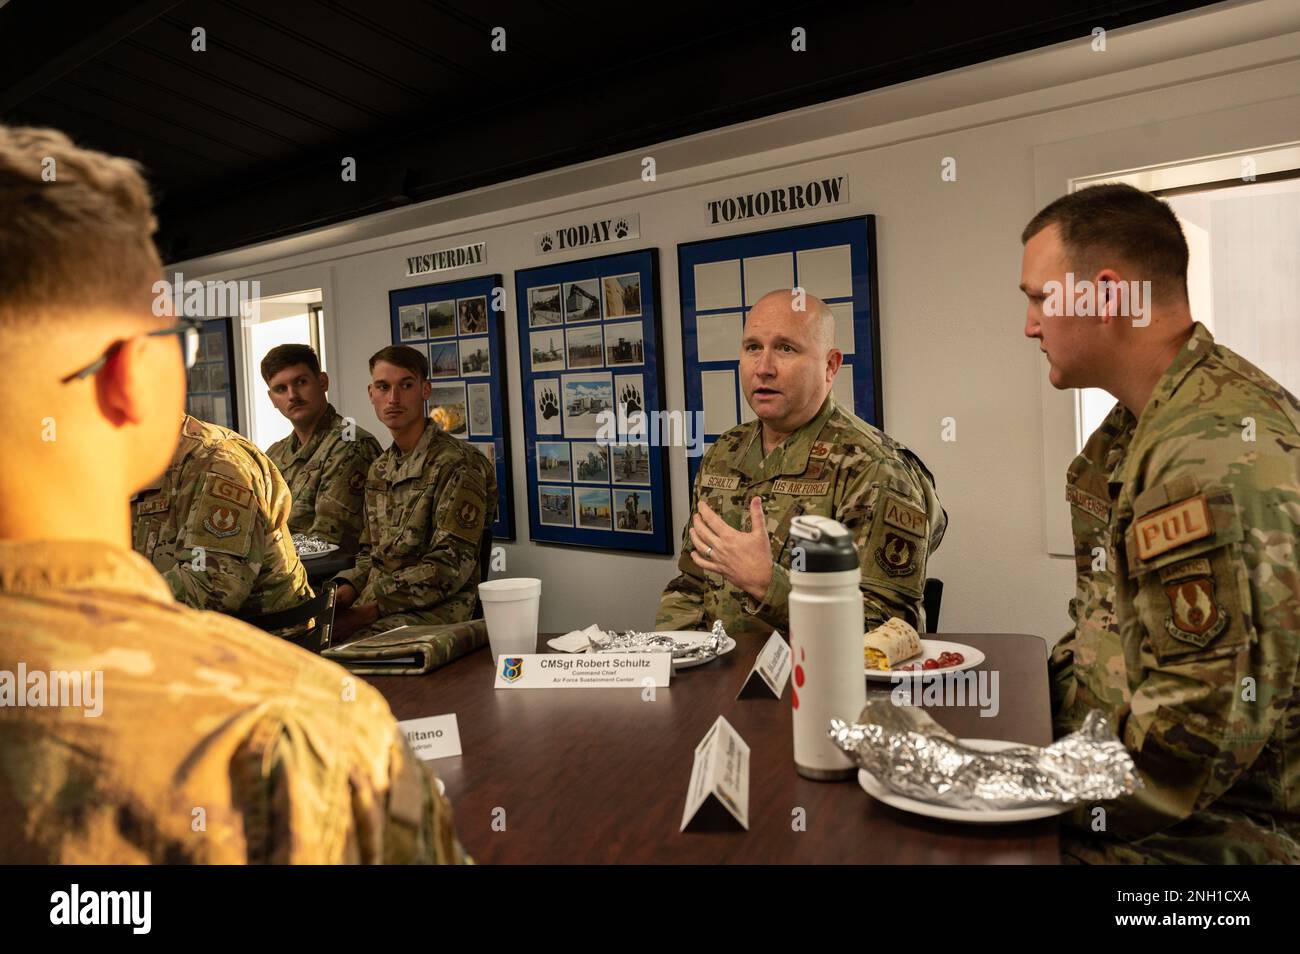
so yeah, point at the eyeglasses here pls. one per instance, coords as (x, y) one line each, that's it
(188, 330)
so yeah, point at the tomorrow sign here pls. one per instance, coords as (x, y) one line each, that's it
(790, 198)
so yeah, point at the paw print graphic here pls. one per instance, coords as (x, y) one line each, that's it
(548, 405)
(631, 398)
(620, 228)
(546, 243)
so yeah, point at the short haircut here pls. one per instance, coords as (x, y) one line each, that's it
(76, 229)
(411, 359)
(286, 356)
(1103, 223)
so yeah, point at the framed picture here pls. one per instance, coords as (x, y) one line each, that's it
(721, 278)
(211, 391)
(465, 342)
(592, 342)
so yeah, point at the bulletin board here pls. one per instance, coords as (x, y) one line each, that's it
(721, 278)
(455, 326)
(210, 384)
(590, 344)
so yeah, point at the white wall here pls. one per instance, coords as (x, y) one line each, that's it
(951, 314)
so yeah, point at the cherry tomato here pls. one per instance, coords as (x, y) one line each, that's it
(931, 664)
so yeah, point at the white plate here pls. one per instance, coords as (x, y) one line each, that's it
(986, 816)
(330, 548)
(930, 649)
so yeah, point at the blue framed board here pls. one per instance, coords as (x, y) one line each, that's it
(454, 324)
(721, 278)
(210, 384)
(590, 343)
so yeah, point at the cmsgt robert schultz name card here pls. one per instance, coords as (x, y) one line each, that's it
(584, 671)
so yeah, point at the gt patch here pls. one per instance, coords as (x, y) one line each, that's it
(1195, 616)
(221, 522)
(897, 555)
(237, 495)
(1172, 526)
(903, 517)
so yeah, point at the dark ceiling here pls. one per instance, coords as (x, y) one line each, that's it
(244, 142)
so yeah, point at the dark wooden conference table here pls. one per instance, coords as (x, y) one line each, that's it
(600, 776)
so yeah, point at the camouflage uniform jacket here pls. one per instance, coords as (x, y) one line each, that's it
(426, 513)
(327, 479)
(213, 742)
(1087, 665)
(835, 466)
(216, 526)
(1204, 517)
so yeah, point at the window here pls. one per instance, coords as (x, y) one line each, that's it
(1243, 274)
(297, 318)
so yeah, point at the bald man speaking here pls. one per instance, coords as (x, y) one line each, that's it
(803, 455)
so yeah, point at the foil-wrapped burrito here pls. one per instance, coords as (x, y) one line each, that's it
(709, 644)
(910, 753)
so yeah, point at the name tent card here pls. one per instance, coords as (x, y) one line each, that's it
(434, 737)
(719, 788)
(771, 669)
(583, 670)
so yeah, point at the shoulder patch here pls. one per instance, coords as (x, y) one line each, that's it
(1172, 526)
(227, 490)
(357, 482)
(464, 517)
(903, 516)
(1195, 615)
(222, 521)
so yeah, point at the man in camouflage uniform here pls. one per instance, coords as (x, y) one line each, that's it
(803, 455)
(325, 460)
(207, 740)
(1194, 481)
(429, 500)
(216, 526)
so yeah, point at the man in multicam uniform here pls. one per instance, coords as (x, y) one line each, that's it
(429, 500)
(1196, 478)
(325, 460)
(803, 455)
(215, 525)
(209, 741)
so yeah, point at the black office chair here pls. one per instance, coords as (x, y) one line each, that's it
(320, 608)
(484, 564)
(930, 602)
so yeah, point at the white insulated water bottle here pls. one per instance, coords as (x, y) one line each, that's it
(826, 643)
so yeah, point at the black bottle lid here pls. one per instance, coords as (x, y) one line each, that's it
(821, 545)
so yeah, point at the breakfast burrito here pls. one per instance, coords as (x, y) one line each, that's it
(890, 644)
